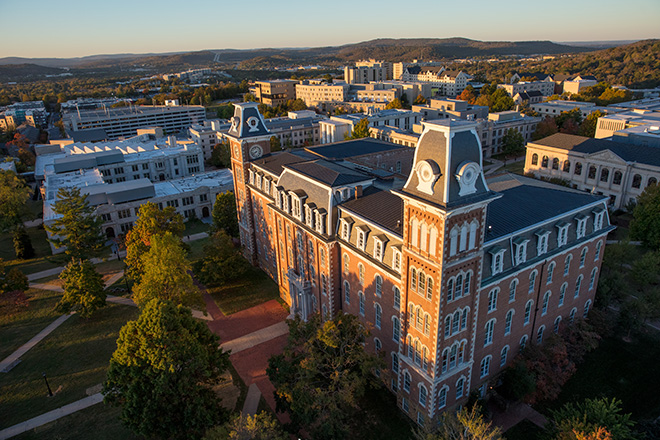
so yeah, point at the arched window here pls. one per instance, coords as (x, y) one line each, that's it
(604, 175)
(433, 240)
(459, 388)
(377, 345)
(361, 299)
(463, 239)
(458, 289)
(361, 273)
(447, 326)
(425, 357)
(379, 315)
(322, 256)
(562, 294)
(397, 298)
(429, 288)
(445, 360)
(555, 164)
(461, 353)
(592, 279)
(546, 301)
(406, 382)
(418, 353)
(528, 311)
(567, 166)
(464, 317)
(512, 290)
(535, 159)
(503, 355)
(571, 316)
(409, 346)
(347, 292)
(379, 285)
(485, 367)
(422, 283)
(466, 284)
(442, 398)
(637, 181)
(346, 264)
(539, 335)
(557, 322)
(453, 241)
(427, 324)
(423, 240)
(567, 264)
(420, 318)
(544, 162)
(492, 300)
(422, 395)
(583, 257)
(507, 322)
(523, 342)
(489, 330)
(472, 242)
(413, 279)
(598, 246)
(532, 281)
(450, 289)
(578, 168)
(616, 180)
(455, 322)
(652, 181)
(592, 172)
(396, 329)
(551, 271)
(395, 362)
(578, 284)
(587, 305)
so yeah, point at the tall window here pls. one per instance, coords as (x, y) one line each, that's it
(379, 285)
(466, 284)
(598, 246)
(413, 279)
(450, 289)
(503, 355)
(604, 175)
(361, 273)
(485, 367)
(361, 299)
(464, 317)
(592, 279)
(562, 294)
(512, 290)
(592, 172)
(429, 288)
(539, 335)
(459, 388)
(523, 342)
(532, 281)
(567, 166)
(551, 271)
(546, 300)
(567, 264)
(578, 284)
(492, 300)
(507, 322)
(406, 381)
(616, 180)
(578, 168)
(442, 398)
(571, 316)
(583, 257)
(586, 309)
(557, 322)
(379, 315)
(422, 395)
(528, 311)
(458, 289)
(347, 292)
(535, 159)
(396, 329)
(422, 283)
(488, 337)
(637, 181)
(397, 298)
(346, 264)
(395, 362)
(544, 162)
(555, 164)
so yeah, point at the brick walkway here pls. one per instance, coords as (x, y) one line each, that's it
(514, 414)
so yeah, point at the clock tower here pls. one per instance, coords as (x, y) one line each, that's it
(249, 139)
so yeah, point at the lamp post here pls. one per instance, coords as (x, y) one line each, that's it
(50, 393)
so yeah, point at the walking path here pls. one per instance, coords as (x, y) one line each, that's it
(13, 359)
(255, 338)
(51, 416)
(514, 414)
(251, 401)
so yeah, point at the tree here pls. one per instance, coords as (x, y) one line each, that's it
(22, 244)
(588, 126)
(221, 155)
(419, 100)
(260, 426)
(77, 227)
(166, 274)
(14, 195)
(466, 424)
(517, 381)
(163, 371)
(395, 103)
(13, 284)
(84, 289)
(275, 144)
(151, 221)
(513, 142)
(222, 261)
(468, 95)
(360, 130)
(225, 217)
(545, 128)
(645, 225)
(589, 417)
(323, 371)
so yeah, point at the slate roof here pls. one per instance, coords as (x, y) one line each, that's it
(353, 148)
(329, 173)
(628, 152)
(275, 162)
(381, 207)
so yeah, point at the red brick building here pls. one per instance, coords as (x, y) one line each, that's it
(451, 272)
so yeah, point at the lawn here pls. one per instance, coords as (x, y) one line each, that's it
(43, 259)
(625, 370)
(196, 248)
(195, 226)
(524, 430)
(20, 327)
(75, 357)
(253, 288)
(514, 167)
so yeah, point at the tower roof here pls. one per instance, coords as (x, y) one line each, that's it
(247, 122)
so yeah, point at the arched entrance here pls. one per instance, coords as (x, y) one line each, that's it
(205, 212)
(162, 177)
(110, 232)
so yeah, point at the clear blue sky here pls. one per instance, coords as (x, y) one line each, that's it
(69, 28)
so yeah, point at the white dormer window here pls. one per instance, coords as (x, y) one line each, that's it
(251, 173)
(396, 259)
(267, 185)
(599, 216)
(379, 247)
(286, 203)
(309, 217)
(345, 193)
(497, 263)
(362, 237)
(562, 234)
(581, 225)
(542, 242)
(259, 180)
(520, 248)
(278, 199)
(296, 206)
(346, 228)
(320, 222)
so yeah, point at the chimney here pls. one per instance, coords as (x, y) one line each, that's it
(358, 191)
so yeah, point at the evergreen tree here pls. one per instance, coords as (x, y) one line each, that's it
(645, 225)
(225, 217)
(360, 130)
(22, 243)
(14, 195)
(84, 289)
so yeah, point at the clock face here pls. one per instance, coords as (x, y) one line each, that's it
(425, 172)
(256, 151)
(236, 151)
(467, 177)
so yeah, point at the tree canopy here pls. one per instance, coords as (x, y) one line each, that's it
(360, 130)
(166, 274)
(222, 261)
(163, 371)
(645, 225)
(225, 217)
(590, 417)
(77, 227)
(14, 195)
(84, 289)
(513, 142)
(321, 374)
(466, 424)
(260, 426)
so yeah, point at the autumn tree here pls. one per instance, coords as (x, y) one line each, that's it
(221, 155)
(545, 128)
(645, 225)
(14, 195)
(395, 103)
(222, 261)
(466, 424)
(275, 144)
(591, 416)
(166, 274)
(225, 217)
(84, 289)
(322, 373)
(77, 227)
(419, 100)
(360, 130)
(260, 426)
(151, 221)
(163, 372)
(468, 95)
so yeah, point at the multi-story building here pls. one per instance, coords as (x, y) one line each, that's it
(334, 129)
(451, 108)
(554, 108)
(394, 135)
(274, 92)
(575, 85)
(546, 87)
(317, 95)
(609, 124)
(616, 169)
(493, 129)
(124, 121)
(205, 135)
(365, 72)
(444, 269)
(30, 112)
(447, 82)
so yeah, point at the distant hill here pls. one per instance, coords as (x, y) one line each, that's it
(24, 72)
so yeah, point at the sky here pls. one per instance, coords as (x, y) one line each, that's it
(74, 28)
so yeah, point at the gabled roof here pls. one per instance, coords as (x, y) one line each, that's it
(381, 207)
(628, 152)
(275, 162)
(329, 173)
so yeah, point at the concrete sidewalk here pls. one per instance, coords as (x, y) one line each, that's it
(13, 359)
(251, 401)
(51, 416)
(255, 338)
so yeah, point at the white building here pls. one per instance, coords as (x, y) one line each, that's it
(546, 87)
(334, 129)
(493, 130)
(554, 108)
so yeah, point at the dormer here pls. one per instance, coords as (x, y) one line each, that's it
(520, 250)
(599, 217)
(297, 199)
(562, 233)
(379, 246)
(321, 216)
(542, 238)
(310, 212)
(362, 234)
(345, 226)
(581, 221)
(497, 260)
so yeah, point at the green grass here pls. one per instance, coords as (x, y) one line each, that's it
(43, 259)
(75, 357)
(515, 167)
(195, 226)
(110, 266)
(625, 370)
(196, 248)
(18, 328)
(253, 288)
(524, 430)
(99, 422)
(35, 208)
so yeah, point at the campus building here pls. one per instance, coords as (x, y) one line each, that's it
(274, 92)
(452, 273)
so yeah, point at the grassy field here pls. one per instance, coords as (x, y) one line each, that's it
(514, 167)
(43, 259)
(75, 357)
(196, 248)
(253, 288)
(18, 328)
(195, 226)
